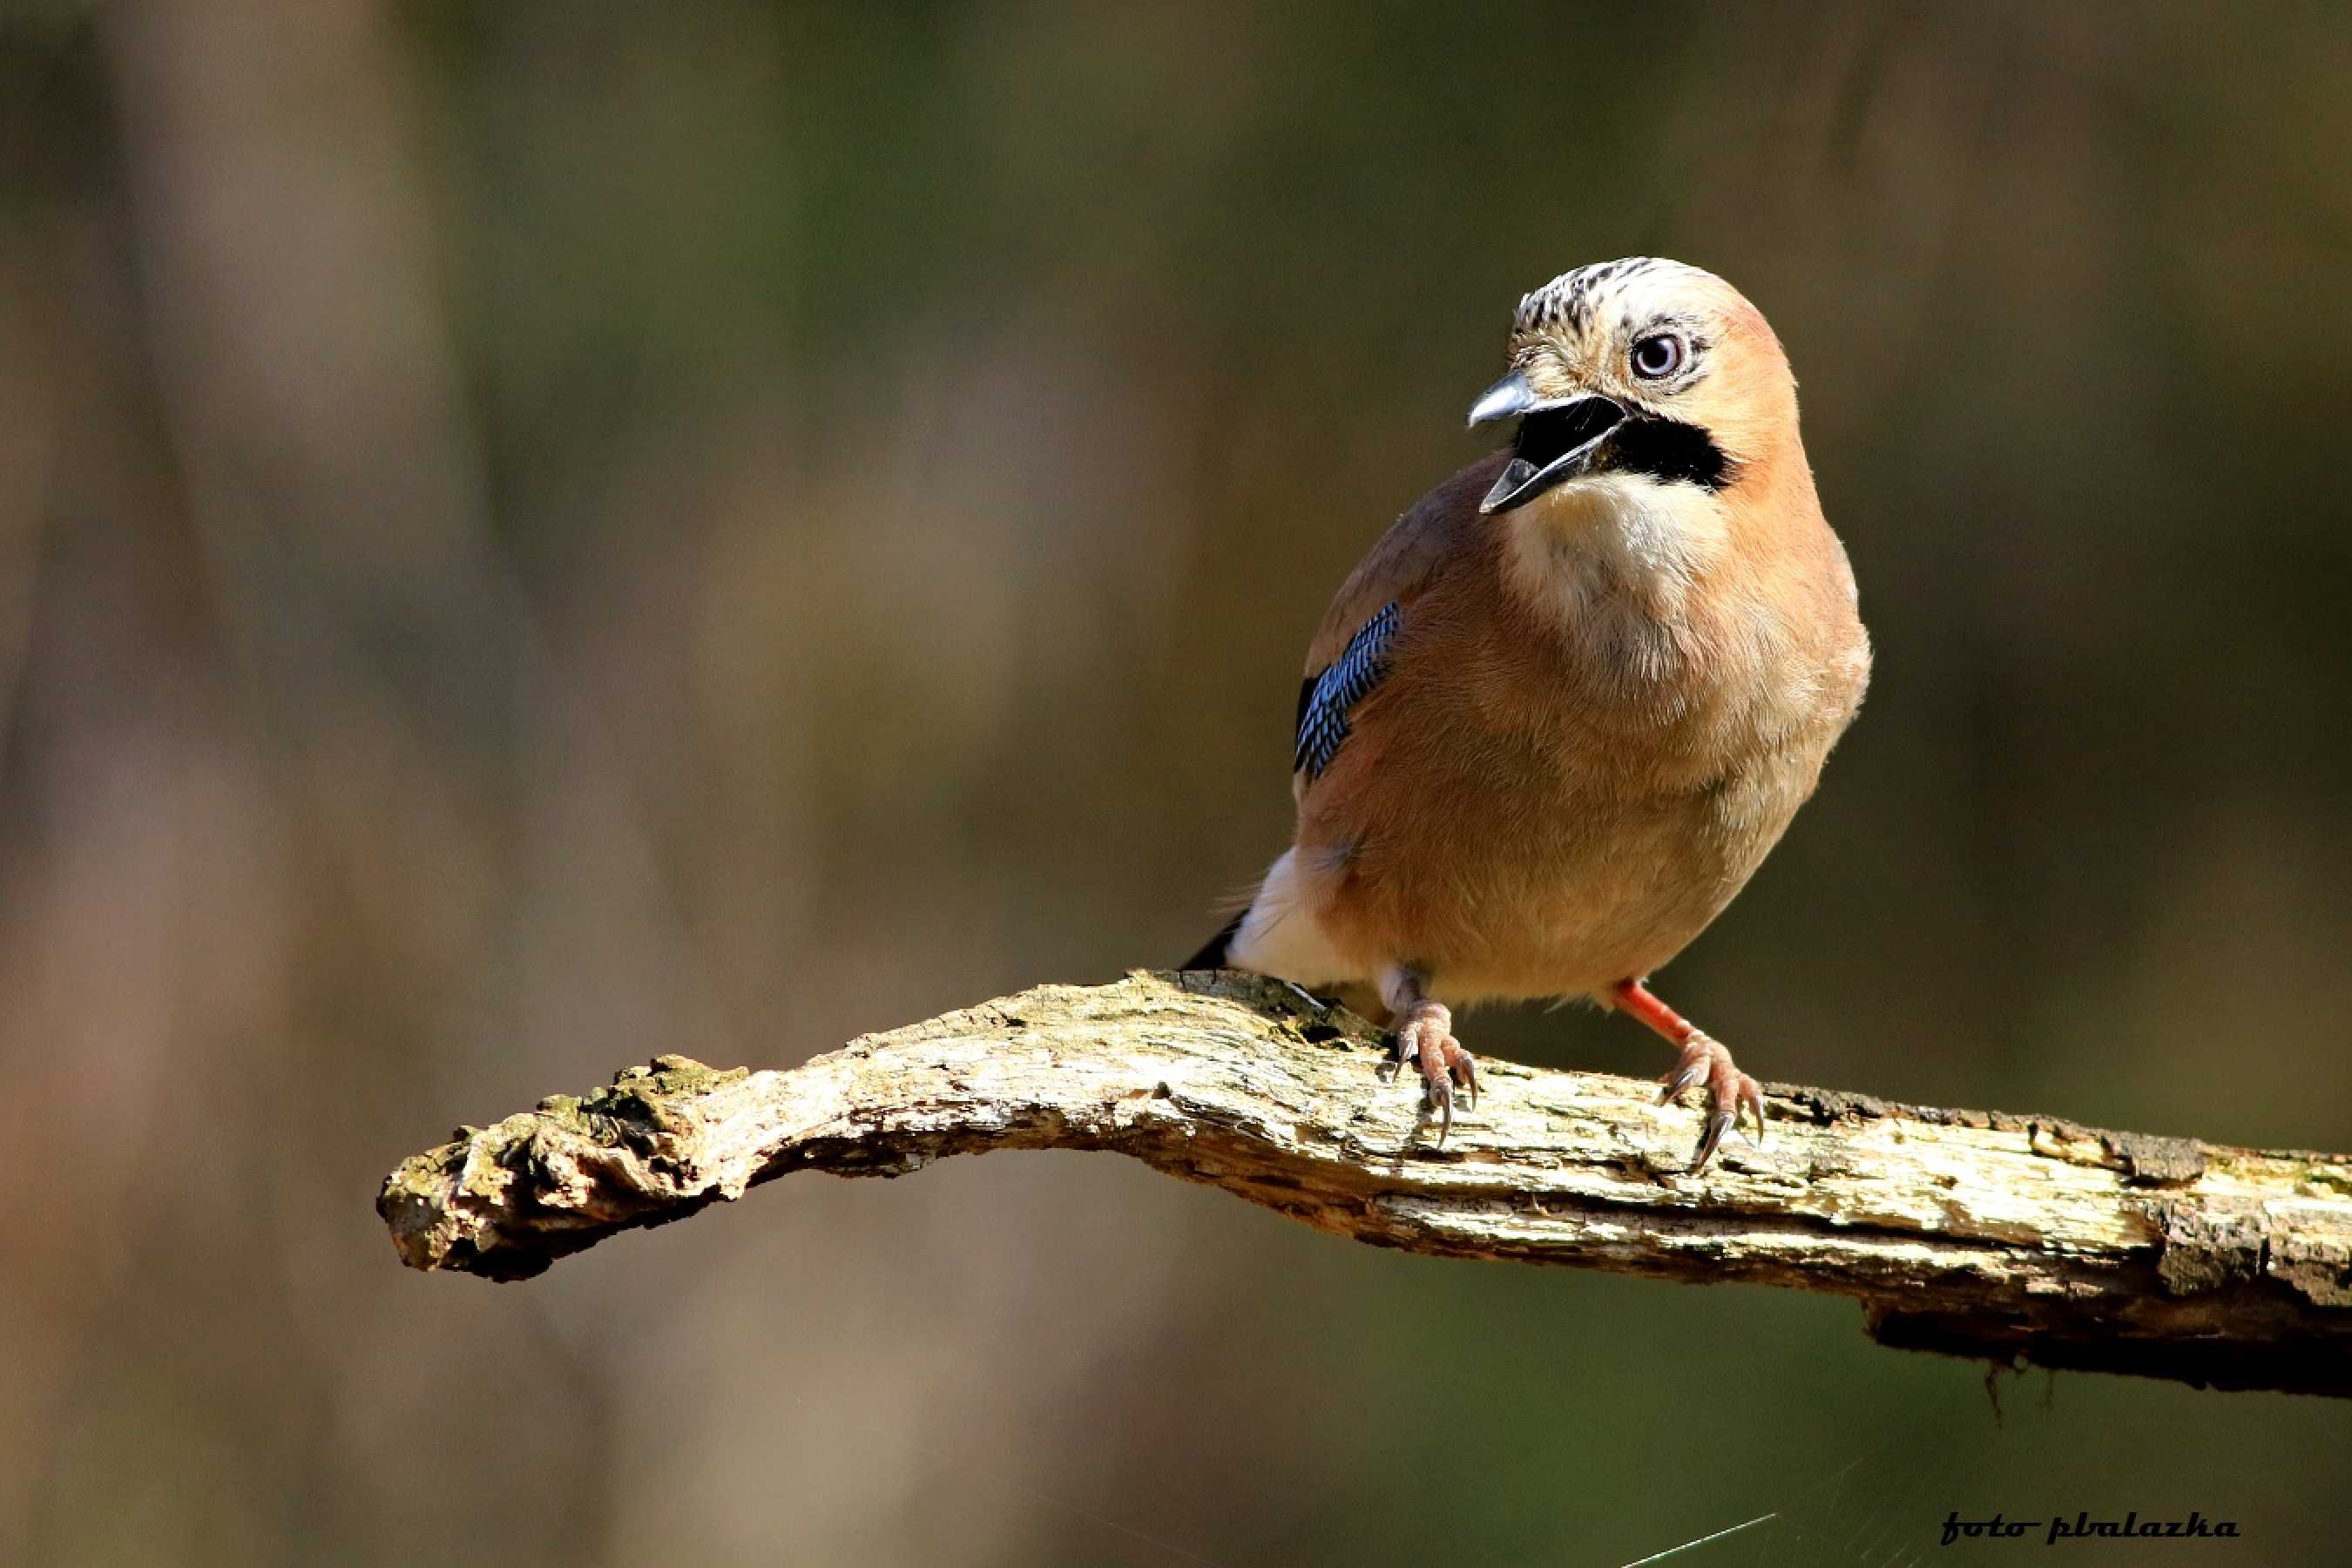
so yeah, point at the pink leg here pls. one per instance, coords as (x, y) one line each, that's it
(1701, 1059)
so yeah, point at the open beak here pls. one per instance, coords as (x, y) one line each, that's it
(1556, 441)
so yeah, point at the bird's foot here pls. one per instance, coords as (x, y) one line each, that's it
(1424, 1035)
(1705, 1061)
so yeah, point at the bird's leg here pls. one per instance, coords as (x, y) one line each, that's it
(1424, 1034)
(1703, 1059)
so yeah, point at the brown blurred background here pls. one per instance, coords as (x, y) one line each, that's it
(536, 534)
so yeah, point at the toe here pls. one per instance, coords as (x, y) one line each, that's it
(1443, 1062)
(1467, 1066)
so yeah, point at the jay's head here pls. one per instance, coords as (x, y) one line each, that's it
(1643, 370)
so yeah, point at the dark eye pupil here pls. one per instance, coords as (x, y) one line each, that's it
(1657, 356)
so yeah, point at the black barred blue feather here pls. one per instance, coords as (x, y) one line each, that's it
(1324, 702)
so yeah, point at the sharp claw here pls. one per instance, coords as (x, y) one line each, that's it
(1752, 1099)
(1679, 1080)
(1445, 1116)
(1717, 1126)
(1470, 1081)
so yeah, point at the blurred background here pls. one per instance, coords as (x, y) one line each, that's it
(538, 535)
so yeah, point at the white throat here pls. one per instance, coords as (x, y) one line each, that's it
(1615, 543)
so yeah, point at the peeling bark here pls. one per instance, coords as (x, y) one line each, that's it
(2025, 1240)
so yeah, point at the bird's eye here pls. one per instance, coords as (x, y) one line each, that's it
(1657, 356)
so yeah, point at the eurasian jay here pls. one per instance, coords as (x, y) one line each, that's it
(1558, 715)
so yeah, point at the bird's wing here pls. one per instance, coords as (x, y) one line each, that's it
(1353, 652)
(1326, 698)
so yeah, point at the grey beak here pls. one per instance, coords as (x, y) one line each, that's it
(1506, 399)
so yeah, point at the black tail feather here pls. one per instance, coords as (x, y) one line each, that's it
(1219, 949)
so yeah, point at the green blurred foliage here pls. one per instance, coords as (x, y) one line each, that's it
(532, 535)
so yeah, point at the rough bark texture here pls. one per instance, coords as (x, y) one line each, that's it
(2022, 1239)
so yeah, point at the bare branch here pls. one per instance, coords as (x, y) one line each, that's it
(2025, 1240)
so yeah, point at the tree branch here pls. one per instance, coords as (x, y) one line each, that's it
(2024, 1240)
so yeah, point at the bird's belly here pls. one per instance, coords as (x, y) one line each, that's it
(1609, 902)
(1579, 887)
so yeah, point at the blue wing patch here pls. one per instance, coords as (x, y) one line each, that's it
(1324, 702)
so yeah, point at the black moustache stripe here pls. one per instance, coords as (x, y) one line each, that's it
(1670, 452)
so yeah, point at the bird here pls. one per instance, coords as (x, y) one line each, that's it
(1558, 715)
